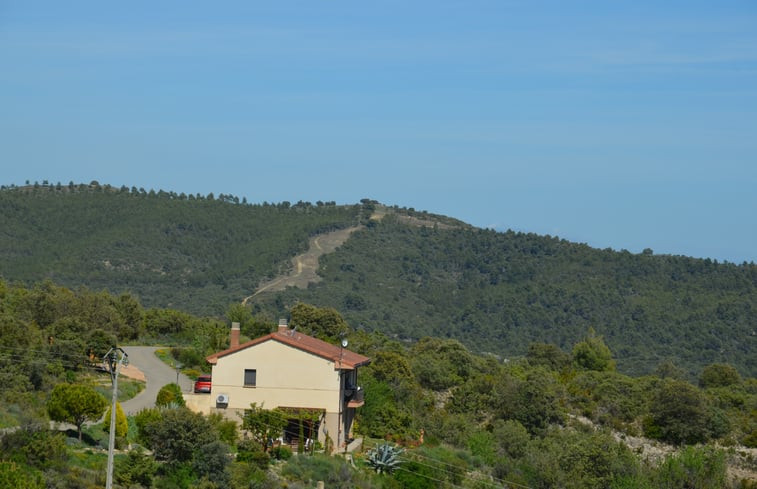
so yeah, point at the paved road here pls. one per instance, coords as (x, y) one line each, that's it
(157, 374)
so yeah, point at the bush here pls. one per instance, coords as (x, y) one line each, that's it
(251, 452)
(593, 354)
(680, 414)
(180, 433)
(281, 452)
(13, 475)
(170, 395)
(719, 375)
(702, 468)
(212, 461)
(135, 468)
(334, 471)
(228, 430)
(34, 446)
(142, 420)
(189, 357)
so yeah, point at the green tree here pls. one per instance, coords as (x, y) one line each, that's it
(382, 415)
(228, 430)
(212, 462)
(75, 404)
(237, 313)
(178, 435)
(547, 355)
(593, 354)
(390, 367)
(441, 363)
(263, 424)
(512, 438)
(143, 420)
(99, 342)
(323, 323)
(668, 370)
(678, 413)
(719, 375)
(533, 402)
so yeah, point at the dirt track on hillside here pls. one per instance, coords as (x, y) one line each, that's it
(304, 266)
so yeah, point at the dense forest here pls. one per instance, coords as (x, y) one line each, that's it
(192, 252)
(408, 275)
(435, 414)
(498, 292)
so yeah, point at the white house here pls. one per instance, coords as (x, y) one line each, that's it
(290, 370)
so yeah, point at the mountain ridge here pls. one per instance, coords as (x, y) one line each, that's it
(410, 274)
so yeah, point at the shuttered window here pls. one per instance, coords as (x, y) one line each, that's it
(250, 377)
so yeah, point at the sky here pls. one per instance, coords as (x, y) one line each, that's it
(622, 124)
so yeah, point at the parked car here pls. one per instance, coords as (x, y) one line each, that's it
(202, 384)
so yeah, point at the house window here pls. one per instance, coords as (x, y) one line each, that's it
(250, 377)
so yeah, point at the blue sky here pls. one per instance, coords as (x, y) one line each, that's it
(618, 124)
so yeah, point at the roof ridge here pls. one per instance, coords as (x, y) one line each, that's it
(342, 358)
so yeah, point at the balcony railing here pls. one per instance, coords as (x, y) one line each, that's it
(354, 394)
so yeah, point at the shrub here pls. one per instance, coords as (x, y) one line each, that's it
(13, 475)
(281, 452)
(680, 414)
(698, 467)
(170, 394)
(142, 420)
(34, 446)
(135, 468)
(719, 375)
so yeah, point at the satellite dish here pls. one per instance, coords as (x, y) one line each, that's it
(344, 343)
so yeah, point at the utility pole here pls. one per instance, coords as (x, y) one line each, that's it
(115, 358)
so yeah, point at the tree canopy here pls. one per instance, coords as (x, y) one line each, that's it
(75, 404)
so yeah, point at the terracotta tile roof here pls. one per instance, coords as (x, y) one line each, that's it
(349, 359)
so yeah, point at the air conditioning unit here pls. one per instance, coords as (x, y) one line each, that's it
(222, 399)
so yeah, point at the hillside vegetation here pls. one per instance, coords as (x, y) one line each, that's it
(409, 275)
(551, 419)
(498, 292)
(192, 252)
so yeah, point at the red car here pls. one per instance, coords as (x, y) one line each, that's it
(203, 384)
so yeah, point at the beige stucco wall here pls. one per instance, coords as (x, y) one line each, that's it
(286, 376)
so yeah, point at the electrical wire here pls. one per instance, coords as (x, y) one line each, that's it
(440, 462)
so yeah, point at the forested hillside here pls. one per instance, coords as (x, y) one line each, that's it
(196, 253)
(409, 274)
(497, 292)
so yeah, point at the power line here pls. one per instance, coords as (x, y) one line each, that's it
(437, 461)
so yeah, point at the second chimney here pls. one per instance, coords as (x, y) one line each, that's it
(283, 325)
(234, 336)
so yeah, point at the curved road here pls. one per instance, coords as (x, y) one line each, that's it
(157, 374)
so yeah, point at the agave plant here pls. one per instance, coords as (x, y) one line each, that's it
(384, 458)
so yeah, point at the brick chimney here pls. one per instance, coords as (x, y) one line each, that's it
(234, 336)
(283, 325)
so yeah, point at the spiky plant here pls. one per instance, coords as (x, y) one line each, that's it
(384, 458)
